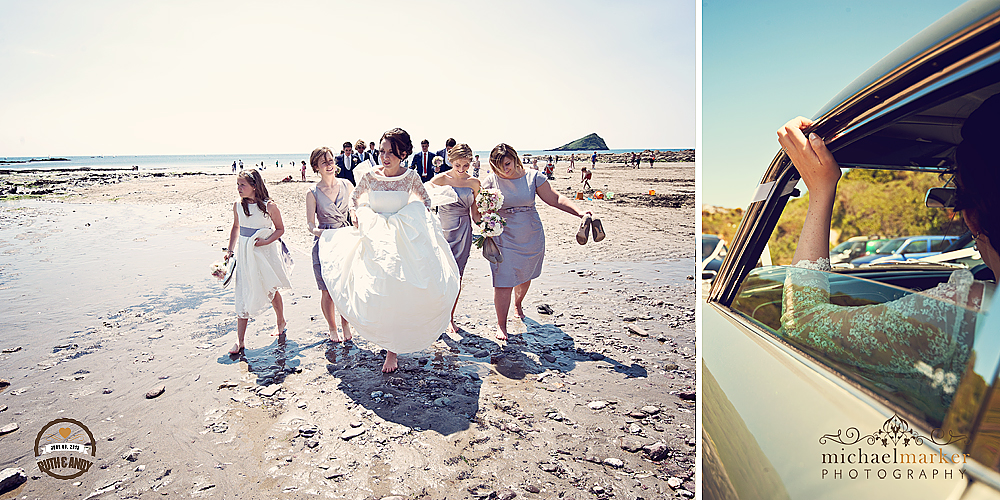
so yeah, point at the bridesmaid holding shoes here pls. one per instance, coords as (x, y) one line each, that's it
(523, 240)
(457, 217)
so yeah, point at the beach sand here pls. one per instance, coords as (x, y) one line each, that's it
(594, 400)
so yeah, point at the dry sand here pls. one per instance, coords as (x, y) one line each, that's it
(592, 401)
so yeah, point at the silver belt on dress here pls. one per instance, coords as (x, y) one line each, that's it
(517, 209)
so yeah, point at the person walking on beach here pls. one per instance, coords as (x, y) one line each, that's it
(522, 242)
(234, 166)
(572, 164)
(450, 143)
(303, 170)
(475, 167)
(593, 160)
(652, 157)
(262, 260)
(326, 208)
(585, 176)
(392, 274)
(346, 163)
(423, 162)
(457, 218)
(241, 165)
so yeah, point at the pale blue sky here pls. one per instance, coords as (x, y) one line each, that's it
(141, 77)
(767, 62)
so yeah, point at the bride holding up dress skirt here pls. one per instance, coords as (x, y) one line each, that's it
(393, 275)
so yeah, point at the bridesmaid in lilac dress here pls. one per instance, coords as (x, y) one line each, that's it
(523, 241)
(456, 218)
(326, 208)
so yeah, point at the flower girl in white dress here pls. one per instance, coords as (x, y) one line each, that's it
(262, 260)
(393, 275)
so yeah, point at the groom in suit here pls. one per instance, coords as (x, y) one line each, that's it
(423, 162)
(450, 143)
(347, 161)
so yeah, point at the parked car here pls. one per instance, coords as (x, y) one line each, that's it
(883, 250)
(917, 247)
(784, 419)
(713, 251)
(848, 250)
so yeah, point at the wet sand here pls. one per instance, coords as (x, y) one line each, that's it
(592, 401)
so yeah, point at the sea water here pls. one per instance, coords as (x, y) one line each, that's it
(215, 163)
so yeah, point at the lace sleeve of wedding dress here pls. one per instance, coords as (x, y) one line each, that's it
(417, 188)
(364, 186)
(925, 332)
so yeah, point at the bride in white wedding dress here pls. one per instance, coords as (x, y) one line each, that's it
(392, 275)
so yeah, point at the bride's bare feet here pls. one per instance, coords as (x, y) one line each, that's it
(519, 310)
(236, 349)
(501, 335)
(390, 362)
(347, 333)
(333, 335)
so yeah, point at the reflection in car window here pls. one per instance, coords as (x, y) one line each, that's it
(891, 246)
(912, 349)
(916, 246)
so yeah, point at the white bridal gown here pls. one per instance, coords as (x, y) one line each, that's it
(393, 277)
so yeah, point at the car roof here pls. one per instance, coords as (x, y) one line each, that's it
(907, 110)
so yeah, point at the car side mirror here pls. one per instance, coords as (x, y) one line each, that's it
(708, 274)
(943, 197)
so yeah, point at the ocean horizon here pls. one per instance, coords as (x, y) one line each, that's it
(220, 162)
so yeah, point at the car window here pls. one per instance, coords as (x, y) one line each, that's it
(708, 246)
(890, 246)
(940, 245)
(881, 337)
(915, 246)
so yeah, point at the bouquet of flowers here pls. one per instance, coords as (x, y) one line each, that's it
(218, 269)
(224, 270)
(489, 202)
(437, 161)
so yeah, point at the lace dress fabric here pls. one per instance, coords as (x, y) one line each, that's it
(918, 344)
(393, 277)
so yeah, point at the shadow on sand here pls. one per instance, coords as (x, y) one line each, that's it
(439, 388)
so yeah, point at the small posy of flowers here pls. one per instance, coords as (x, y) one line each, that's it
(489, 200)
(489, 203)
(218, 269)
(492, 225)
(437, 161)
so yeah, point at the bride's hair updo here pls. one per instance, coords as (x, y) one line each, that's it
(978, 171)
(459, 151)
(499, 153)
(399, 142)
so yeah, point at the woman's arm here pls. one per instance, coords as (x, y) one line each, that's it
(279, 227)
(311, 214)
(820, 172)
(474, 210)
(557, 200)
(234, 232)
(417, 188)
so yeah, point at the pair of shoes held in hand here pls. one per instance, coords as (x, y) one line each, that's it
(590, 224)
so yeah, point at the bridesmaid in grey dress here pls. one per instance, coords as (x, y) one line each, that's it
(326, 208)
(523, 241)
(456, 218)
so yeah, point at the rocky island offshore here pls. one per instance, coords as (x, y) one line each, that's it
(591, 142)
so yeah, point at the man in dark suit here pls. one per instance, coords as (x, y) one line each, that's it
(423, 162)
(450, 143)
(347, 161)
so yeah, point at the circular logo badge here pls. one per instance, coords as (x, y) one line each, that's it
(65, 449)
